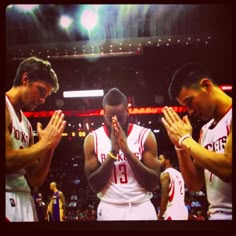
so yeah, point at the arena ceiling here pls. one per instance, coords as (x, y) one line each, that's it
(134, 47)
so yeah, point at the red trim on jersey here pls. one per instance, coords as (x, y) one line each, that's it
(107, 131)
(31, 131)
(20, 116)
(222, 116)
(96, 143)
(11, 121)
(172, 190)
(211, 177)
(140, 139)
(20, 111)
(228, 129)
(130, 129)
(200, 136)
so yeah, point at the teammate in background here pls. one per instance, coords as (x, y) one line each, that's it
(121, 164)
(208, 162)
(27, 163)
(172, 205)
(57, 205)
(40, 206)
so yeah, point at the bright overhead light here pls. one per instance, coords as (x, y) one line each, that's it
(83, 93)
(65, 22)
(26, 7)
(89, 19)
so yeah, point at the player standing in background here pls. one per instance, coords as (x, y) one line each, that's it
(57, 205)
(172, 205)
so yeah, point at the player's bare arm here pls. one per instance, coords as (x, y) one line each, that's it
(96, 173)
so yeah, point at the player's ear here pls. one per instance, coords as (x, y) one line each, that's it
(24, 78)
(206, 84)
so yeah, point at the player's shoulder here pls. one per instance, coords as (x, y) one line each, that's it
(98, 130)
(138, 127)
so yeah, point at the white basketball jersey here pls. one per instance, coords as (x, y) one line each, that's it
(21, 132)
(219, 193)
(176, 208)
(176, 187)
(122, 186)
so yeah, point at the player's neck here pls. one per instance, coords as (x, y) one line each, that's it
(224, 104)
(14, 96)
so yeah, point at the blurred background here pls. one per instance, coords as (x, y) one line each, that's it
(135, 48)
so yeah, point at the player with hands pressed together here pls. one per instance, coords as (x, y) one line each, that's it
(175, 126)
(28, 163)
(208, 161)
(119, 137)
(121, 164)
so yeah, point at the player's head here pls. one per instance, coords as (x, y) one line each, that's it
(167, 159)
(35, 80)
(115, 103)
(114, 97)
(53, 185)
(193, 87)
(36, 70)
(188, 75)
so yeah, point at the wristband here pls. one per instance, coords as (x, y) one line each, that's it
(179, 149)
(112, 156)
(183, 138)
(115, 153)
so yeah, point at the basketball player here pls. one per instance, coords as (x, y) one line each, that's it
(39, 204)
(56, 206)
(193, 87)
(121, 164)
(27, 163)
(172, 205)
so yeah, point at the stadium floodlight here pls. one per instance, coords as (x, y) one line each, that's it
(83, 93)
(89, 19)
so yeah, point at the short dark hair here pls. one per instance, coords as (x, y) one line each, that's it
(171, 156)
(114, 97)
(188, 75)
(37, 69)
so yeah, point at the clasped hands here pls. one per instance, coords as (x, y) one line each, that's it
(51, 134)
(118, 137)
(176, 127)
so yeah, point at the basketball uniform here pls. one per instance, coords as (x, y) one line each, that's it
(123, 198)
(219, 193)
(55, 207)
(19, 201)
(176, 209)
